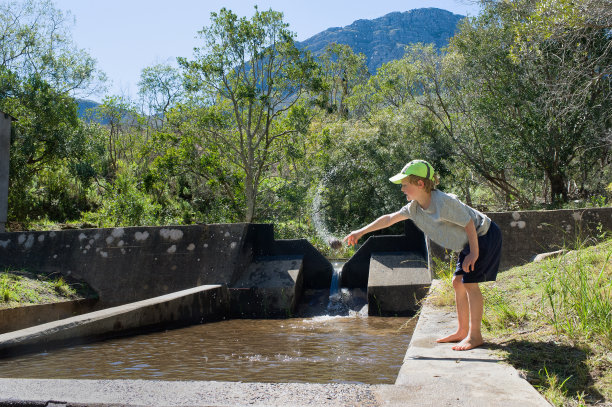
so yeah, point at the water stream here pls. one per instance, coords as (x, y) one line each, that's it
(331, 340)
(323, 349)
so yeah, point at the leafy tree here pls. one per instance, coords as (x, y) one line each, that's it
(122, 124)
(161, 88)
(342, 70)
(566, 49)
(249, 74)
(35, 41)
(40, 72)
(541, 99)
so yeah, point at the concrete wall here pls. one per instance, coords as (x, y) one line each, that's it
(131, 264)
(528, 233)
(5, 141)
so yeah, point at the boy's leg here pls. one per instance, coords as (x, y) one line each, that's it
(476, 306)
(463, 312)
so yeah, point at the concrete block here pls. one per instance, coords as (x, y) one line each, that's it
(269, 288)
(355, 271)
(396, 283)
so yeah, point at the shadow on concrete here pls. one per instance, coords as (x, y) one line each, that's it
(541, 359)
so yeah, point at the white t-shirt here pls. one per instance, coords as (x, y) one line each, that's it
(445, 220)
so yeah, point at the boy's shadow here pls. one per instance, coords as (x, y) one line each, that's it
(543, 360)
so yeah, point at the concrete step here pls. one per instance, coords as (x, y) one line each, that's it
(269, 288)
(396, 283)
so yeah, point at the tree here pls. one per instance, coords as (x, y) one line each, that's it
(248, 74)
(566, 49)
(342, 70)
(35, 40)
(543, 86)
(122, 123)
(40, 73)
(161, 88)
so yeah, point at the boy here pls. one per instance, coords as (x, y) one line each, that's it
(455, 226)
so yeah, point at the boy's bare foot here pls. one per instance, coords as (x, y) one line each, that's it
(456, 337)
(469, 343)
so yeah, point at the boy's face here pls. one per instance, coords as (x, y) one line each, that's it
(412, 191)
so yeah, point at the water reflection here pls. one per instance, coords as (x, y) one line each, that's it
(324, 349)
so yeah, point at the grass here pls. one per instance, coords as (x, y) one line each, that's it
(19, 288)
(553, 322)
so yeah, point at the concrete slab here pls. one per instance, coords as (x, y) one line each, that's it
(396, 283)
(196, 305)
(435, 375)
(269, 288)
(27, 392)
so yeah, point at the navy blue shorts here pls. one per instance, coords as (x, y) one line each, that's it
(487, 265)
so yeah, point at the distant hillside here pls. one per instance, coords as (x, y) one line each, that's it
(383, 39)
(84, 106)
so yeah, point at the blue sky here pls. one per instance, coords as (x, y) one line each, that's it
(126, 36)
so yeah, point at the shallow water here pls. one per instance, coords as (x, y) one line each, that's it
(324, 349)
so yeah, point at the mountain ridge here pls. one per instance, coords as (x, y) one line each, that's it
(384, 39)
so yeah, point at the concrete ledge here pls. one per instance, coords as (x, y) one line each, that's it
(435, 375)
(396, 283)
(269, 288)
(12, 319)
(195, 305)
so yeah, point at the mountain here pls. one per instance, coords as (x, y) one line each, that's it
(87, 108)
(383, 39)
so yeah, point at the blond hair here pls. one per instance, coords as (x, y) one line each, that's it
(429, 184)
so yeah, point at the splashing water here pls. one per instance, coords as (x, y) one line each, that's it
(342, 301)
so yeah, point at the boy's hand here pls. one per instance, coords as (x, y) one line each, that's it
(352, 238)
(469, 261)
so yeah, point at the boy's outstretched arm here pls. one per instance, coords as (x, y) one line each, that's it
(380, 223)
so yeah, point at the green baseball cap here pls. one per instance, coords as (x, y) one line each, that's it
(420, 168)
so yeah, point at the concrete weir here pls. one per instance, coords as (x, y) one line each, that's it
(157, 278)
(212, 272)
(432, 374)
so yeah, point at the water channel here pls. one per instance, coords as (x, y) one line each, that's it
(342, 346)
